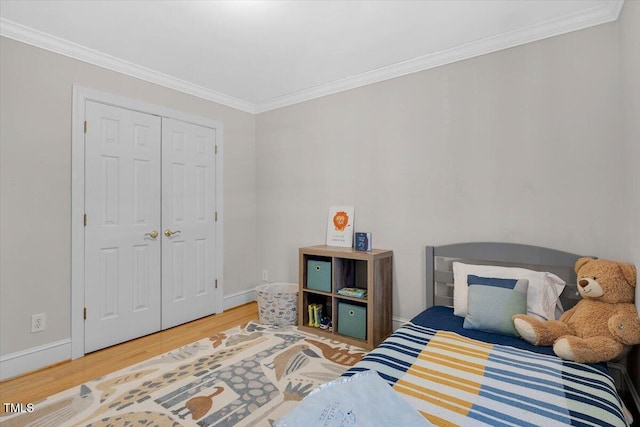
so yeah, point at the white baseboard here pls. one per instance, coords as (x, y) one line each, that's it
(399, 321)
(239, 298)
(31, 359)
(34, 358)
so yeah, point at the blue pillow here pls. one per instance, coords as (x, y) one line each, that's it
(492, 302)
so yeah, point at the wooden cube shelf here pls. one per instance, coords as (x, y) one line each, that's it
(371, 270)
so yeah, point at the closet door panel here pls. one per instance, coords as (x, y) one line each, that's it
(188, 222)
(122, 206)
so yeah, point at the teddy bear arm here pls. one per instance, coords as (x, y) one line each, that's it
(625, 326)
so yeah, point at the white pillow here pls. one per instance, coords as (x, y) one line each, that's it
(542, 296)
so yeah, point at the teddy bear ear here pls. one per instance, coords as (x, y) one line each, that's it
(582, 261)
(629, 272)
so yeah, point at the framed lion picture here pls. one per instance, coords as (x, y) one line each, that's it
(340, 226)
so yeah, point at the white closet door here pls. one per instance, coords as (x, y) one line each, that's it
(122, 204)
(188, 222)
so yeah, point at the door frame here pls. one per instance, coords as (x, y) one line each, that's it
(80, 96)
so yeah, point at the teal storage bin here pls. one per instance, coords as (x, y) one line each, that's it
(319, 275)
(352, 320)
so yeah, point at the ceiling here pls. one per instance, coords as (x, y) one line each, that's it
(260, 55)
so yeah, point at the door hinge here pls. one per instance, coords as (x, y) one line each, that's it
(85, 220)
(85, 313)
(85, 126)
(216, 216)
(216, 149)
(216, 283)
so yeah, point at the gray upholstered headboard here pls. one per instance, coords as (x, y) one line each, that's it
(440, 272)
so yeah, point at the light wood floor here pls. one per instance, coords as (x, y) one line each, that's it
(32, 387)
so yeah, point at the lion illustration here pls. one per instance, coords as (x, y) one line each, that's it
(340, 220)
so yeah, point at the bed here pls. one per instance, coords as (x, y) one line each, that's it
(458, 376)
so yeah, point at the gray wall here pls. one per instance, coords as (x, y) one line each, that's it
(35, 183)
(629, 24)
(523, 145)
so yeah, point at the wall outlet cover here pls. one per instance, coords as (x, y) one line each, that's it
(38, 322)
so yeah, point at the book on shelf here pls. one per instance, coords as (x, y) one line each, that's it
(340, 226)
(363, 242)
(315, 315)
(353, 292)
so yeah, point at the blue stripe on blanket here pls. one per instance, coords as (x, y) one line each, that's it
(562, 385)
(550, 388)
(565, 383)
(491, 417)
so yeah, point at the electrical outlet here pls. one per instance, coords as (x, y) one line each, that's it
(38, 322)
(265, 275)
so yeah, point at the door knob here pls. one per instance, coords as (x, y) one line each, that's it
(170, 233)
(153, 234)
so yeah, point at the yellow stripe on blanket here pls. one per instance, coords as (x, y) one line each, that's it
(452, 362)
(440, 374)
(437, 421)
(439, 399)
(444, 379)
(455, 337)
(460, 349)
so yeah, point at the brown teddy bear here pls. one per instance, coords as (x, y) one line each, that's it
(599, 326)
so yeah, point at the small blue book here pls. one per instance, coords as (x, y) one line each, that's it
(362, 242)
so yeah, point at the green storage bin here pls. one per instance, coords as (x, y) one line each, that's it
(352, 320)
(319, 275)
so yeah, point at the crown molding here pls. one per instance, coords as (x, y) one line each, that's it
(615, 7)
(51, 43)
(607, 11)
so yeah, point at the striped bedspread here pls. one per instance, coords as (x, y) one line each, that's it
(454, 380)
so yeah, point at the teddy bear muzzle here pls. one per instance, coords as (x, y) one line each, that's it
(590, 288)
